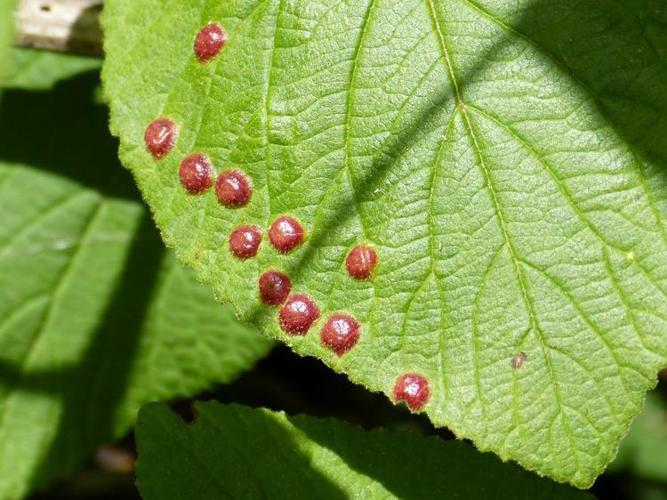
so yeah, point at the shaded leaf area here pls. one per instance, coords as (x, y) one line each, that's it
(96, 318)
(639, 471)
(232, 451)
(505, 159)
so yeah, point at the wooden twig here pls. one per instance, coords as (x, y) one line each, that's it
(62, 25)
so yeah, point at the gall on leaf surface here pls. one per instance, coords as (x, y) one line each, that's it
(506, 161)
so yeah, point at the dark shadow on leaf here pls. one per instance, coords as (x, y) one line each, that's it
(64, 131)
(91, 391)
(238, 453)
(617, 51)
(415, 467)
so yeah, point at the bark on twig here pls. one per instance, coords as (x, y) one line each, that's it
(62, 25)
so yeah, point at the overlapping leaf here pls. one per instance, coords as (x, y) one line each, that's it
(238, 452)
(506, 159)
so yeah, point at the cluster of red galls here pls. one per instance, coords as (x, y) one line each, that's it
(233, 189)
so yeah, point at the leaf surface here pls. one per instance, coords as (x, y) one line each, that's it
(232, 451)
(34, 69)
(96, 317)
(505, 159)
(6, 36)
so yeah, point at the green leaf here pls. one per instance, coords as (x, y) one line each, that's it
(232, 451)
(96, 318)
(506, 160)
(644, 450)
(40, 70)
(6, 36)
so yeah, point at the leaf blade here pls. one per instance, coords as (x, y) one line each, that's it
(513, 211)
(234, 451)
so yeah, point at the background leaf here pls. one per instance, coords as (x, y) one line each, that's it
(96, 318)
(232, 451)
(644, 450)
(6, 35)
(506, 159)
(41, 70)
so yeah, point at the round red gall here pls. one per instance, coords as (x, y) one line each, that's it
(274, 288)
(286, 233)
(361, 262)
(340, 333)
(412, 389)
(298, 315)
(196, 173)
(160, 137)
(209, 42)
(233, 189)
(244, 241)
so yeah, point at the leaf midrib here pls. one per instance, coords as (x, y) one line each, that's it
(440, 35)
